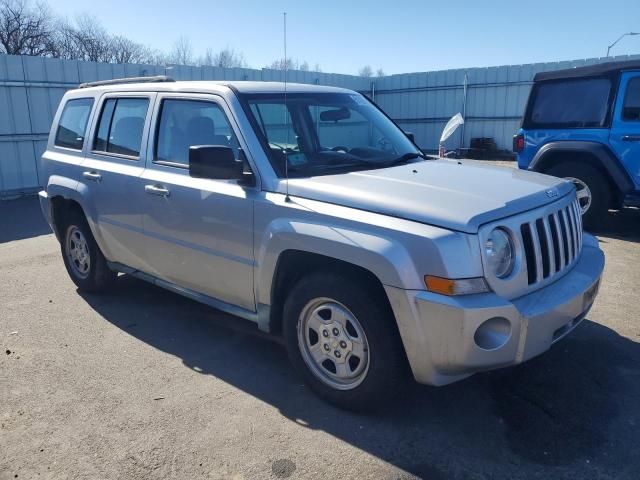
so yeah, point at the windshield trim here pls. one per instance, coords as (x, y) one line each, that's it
(244, 97)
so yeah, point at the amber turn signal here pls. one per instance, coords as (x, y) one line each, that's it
(460, 286)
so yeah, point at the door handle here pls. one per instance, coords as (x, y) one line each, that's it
(156, 190)
(93, 176)
(631, 138)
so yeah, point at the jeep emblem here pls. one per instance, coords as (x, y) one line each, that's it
(552, 193)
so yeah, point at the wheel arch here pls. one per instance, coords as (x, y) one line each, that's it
(61, 208)
(297, 247)
(596, 154)
(292, 265)
(64, 193)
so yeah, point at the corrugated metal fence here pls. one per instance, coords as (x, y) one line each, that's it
(31, 88)
(495, 100)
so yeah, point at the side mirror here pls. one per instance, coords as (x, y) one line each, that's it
(410, 136)
(214, 162)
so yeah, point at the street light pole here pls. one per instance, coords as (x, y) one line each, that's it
(620, 38)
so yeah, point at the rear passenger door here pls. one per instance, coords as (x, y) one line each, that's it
(625, 127)
(199, 231)
(116, 158)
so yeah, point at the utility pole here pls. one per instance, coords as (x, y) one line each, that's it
(630, 34)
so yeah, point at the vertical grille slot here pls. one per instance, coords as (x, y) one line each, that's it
(561, 247)
(553, 228)
(572, 232)
(578, 215)
(527, 241)
(544, 247)
(564, 236)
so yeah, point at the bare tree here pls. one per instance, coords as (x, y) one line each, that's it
(226, 58)
(182, 53)
(293, 65)
(152, 56)
(85, 39)
(366, 71)
(229, 58)
(124, 50)
(282, 65)
(380, 73)
(207, 59)
(24, 29)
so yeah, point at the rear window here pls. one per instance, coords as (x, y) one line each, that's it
(73, 123)
(121, 126)
(575, 103)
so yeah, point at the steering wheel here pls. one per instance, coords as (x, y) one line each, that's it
(340, 148)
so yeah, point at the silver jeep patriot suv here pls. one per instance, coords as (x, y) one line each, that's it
(312, 214)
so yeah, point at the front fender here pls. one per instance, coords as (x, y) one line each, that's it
(387, 259)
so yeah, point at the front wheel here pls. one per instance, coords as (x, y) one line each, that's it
(343, 340)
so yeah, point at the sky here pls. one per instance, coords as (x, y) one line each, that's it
(397, 36)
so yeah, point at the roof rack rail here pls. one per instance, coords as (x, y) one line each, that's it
(116, 81)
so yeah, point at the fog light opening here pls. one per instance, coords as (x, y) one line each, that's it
(493, 333)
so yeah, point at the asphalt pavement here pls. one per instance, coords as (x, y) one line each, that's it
(140, 383)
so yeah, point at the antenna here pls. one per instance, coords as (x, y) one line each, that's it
(286, 113)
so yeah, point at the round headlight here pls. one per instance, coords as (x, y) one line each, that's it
(500, 253)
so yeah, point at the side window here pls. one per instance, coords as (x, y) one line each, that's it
(631, 108)
(187, 123)
(73, 123)
(121, 126)
(561, 104)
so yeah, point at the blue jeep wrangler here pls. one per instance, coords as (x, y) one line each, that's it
(583, 124)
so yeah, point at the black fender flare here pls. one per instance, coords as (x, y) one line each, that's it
(602, 156)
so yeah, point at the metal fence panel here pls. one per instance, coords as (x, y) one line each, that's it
(31, 89)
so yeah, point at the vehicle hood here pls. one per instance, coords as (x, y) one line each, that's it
(453, 194)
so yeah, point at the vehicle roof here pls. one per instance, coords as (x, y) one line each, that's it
(215, 87)
(588, 70)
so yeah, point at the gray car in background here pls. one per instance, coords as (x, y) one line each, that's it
(312, 214)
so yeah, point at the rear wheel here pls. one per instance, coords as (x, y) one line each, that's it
(343, 340)
(592, 189)
(82, 257)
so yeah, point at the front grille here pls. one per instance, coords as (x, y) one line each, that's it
(552, 243)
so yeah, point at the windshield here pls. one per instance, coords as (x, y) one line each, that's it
(326, 133)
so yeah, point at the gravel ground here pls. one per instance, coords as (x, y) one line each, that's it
(141, 383)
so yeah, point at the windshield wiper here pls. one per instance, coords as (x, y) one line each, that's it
(355, 162)
(404, 158)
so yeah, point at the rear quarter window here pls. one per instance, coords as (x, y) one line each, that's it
(573, 103)
(72, 125)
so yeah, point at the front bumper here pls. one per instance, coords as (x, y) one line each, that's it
(449, 338)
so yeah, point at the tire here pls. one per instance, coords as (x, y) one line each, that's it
(82, 257)
(367, 348)
(594, 191)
